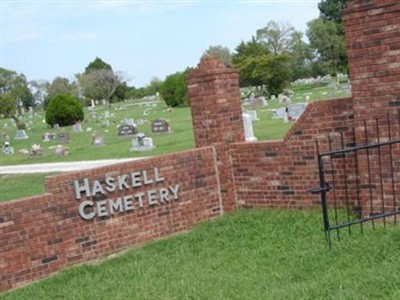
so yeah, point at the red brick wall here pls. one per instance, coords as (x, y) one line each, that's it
(279, 173)
(217, 116)
(373, 45)
(40, 235)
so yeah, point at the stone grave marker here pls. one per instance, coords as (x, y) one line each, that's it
(98, 141)
(63, 137)
(248, 128)
(77, 127)
(45, 137)
(7, 149)
(20, 134)
(142, 143)
(253, 115)
(126, 131)
(294, 111)
(279, 113)
(160, 126)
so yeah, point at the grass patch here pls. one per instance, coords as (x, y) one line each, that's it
(256, 254)
(14, 186)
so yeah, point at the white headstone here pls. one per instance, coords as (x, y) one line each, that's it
(248, 128)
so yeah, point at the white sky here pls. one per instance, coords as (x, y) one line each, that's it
(142, 39)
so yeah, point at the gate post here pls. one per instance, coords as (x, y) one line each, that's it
(373, 47)
(215, 104)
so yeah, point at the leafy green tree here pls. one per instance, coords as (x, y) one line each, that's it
(301, 62)
(174, 89)
(16, 86)
(97, 64)
(331, 9)
(220, 52)
(99, 81)
(244, 58)
(64, 110)
(259, 67)
(277, 36)
(59, 86)
(328, 42)
(8, 106)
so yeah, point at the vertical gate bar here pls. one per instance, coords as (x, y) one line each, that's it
(334, 189)
(346, 187)
(392, 168)
(359, 206)
(369, 173)
(380, 172)
(323, 196)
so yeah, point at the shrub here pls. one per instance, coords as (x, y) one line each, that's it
(64, 110)
(174, 90)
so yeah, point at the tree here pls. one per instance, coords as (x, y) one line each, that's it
(331, 9)
(328, 42)
(64, 110)
(59, 86)
(100, 84)
(277, 36)
(97, 64)
(301, 62)
(8, 107)
(174, 89)
(244, 51)
(99, 81)
(16, 86)
(219, 52)
(259, 67)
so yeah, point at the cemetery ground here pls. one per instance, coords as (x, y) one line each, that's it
(180, 139)
(250, 254)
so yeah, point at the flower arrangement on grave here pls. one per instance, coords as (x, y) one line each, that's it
(36, 149)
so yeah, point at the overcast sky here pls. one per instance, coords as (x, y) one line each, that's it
(141, 39)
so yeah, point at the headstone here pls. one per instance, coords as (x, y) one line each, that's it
(142, 143)
(160, 126)
(139, 122)
(295, 110)
(77, 127)
(20, 134)
(97, 102)
(106, 114)
(253, 115)
(105, 123)
(248, 128)
(98, 141)
(30, 112)
(7, 149)
(126, 130)
(279, 113)
(104, 102)
(56, 126)
(60, 150)
(45, 137)
(92, 103)
(127, 122)
(63, 137)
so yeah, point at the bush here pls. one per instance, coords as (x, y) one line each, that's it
(64, 110)
(174, 90)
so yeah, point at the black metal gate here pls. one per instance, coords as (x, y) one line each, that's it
(360, 183)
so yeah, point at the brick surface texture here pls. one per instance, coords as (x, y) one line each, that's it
(42, 234)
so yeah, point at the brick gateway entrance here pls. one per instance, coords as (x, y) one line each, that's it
(143, 200)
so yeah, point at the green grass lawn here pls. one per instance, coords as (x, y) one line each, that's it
(255, 254)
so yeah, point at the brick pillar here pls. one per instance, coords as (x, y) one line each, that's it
(373, 45)
(372, 30)
(217, 116)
